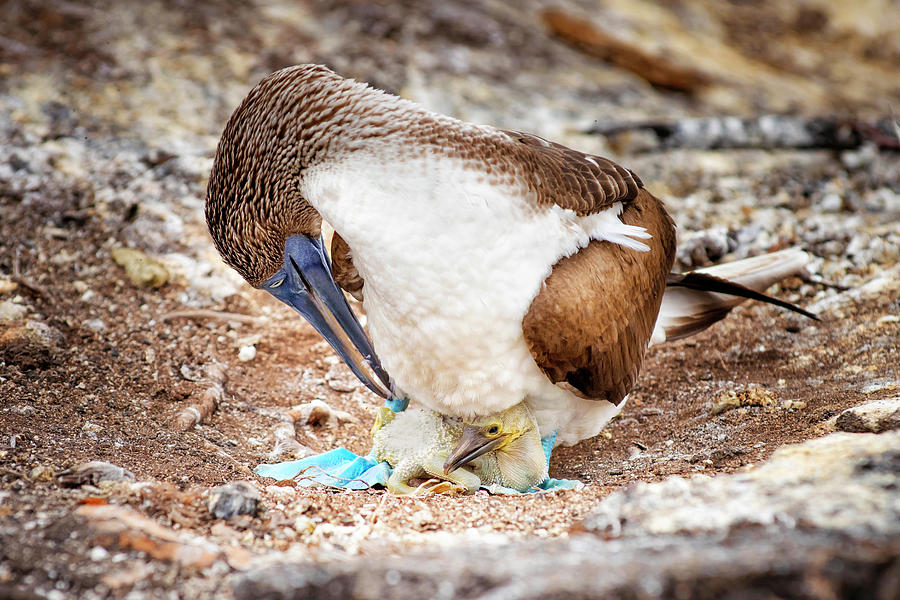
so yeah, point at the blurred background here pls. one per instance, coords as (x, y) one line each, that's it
(172, 71)
(163, 76)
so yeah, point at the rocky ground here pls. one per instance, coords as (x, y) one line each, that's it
(758, 459)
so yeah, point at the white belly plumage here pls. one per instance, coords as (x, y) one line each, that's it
(451, 264)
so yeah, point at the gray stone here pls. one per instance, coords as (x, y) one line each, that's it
(872, 417)
(749, 564)
(821, 483)
(232, 499)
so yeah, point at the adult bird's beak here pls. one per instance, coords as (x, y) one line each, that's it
(306, 284)
(472, 444)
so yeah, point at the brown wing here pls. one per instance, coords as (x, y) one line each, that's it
(571, 179)
(591, 322)
(342, 269)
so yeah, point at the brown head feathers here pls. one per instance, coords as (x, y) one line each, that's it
(306, 115)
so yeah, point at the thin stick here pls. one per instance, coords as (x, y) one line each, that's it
(302, 476)
(203, 402)
(221, 453)
(201, 313)
(24, 281)
(377, 512)
(807, 278)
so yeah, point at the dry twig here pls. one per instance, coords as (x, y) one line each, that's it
(765, 131)
(592, 40)
(373, 518)
(209, 446)
(203, 402)
(209, 314)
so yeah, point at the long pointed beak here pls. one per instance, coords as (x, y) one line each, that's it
(305, 283)
(472, 444)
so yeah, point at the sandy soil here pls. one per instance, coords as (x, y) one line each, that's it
(108, 120)
(113, 395)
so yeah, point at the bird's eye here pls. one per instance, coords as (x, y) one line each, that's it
(277, 283)
(494, 430)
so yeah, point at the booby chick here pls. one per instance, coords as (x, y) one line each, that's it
(495, 267)
(499, 450)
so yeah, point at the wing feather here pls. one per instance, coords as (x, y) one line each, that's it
(592, 320)
(571, 179)
(342, 268)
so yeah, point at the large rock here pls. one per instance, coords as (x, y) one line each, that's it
(820, 519)
(872, 417)
(842, 482)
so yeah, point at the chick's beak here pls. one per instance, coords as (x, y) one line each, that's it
(305, 283)
(472, 444)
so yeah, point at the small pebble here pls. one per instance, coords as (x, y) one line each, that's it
(735, 399)
(93, 472)
(831, 203)
(341, 379)
(231, 499)
(7, 285)
(247, 353)
(98, 553)
(142, 270)
(281, 493)
(33, 333)
(95, 325)
(26, 410)
(190, 373)
(41, 473)
(793, 405)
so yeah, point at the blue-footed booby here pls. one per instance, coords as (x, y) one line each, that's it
(495, 267)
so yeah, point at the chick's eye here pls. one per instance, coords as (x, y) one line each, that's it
(494, 430)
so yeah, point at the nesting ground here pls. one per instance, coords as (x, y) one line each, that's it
(108, 119)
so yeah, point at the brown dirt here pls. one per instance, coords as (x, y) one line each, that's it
(113, 395)
(154, 72)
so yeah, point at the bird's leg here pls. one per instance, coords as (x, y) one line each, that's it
(460, 480)
(405, 470)
(446, 487)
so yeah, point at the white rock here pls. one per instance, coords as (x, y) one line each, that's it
(341, 379)
(247, 353)
(281, 493)
(7, 285)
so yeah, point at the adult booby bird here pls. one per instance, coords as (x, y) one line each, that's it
(495, 267)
